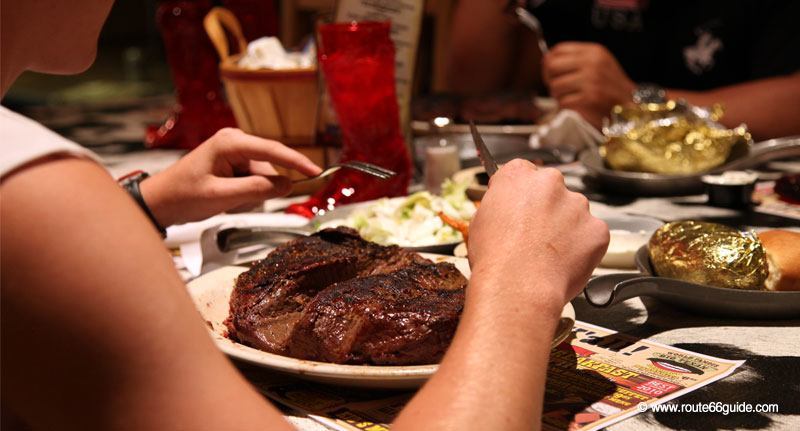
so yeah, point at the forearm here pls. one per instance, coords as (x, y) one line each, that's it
(156, 193)
(480, 60)
(85, 278)
(769, 107)
(494, 373)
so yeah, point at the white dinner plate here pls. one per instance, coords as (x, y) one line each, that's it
(211, 294)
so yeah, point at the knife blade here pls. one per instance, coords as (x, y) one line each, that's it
(487, 160)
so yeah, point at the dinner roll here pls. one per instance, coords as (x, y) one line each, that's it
(783, 258)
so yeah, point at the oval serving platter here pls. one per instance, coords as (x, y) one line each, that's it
(211, 295)
(651, 184)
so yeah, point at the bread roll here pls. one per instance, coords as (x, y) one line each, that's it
(783, 258)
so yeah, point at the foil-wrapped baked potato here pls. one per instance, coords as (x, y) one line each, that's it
(710, 254)
(670, 138)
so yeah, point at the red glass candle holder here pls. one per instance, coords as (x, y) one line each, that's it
(200, 109)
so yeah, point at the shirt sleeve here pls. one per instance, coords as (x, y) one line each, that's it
(561, 20)
(23, 140)
(774, 48)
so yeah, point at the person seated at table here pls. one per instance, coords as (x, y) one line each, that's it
(98, 331)
(742, 54)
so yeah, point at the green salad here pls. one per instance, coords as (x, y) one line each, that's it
(414, 220)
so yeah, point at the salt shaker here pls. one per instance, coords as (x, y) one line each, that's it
(441, 162)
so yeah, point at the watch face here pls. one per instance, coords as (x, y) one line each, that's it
(649, 93)
(135, 176)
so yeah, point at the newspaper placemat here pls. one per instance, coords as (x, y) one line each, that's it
(601, 376)
(770, 203)
(596, 378)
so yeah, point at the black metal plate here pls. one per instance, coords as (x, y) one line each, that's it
(717, 301)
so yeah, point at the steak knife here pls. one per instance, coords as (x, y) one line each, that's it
(487, 160)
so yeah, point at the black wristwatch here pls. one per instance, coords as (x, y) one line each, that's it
(649, 93)
(130, 182)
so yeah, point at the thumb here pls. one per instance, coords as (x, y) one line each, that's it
(254, 188)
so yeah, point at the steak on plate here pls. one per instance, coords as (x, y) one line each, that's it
(403, 317)
(335, 297)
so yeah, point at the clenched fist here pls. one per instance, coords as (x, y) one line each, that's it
(532, 241)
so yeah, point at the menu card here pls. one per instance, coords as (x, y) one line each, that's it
(596, 378)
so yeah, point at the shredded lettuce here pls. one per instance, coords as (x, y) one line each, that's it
(412, 221)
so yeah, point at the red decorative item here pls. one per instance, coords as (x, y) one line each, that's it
(200, 110)
(357, 60)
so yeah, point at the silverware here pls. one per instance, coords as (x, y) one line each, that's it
(367, 168)
(234, 238)
(237, 237)
(530, 21)
(487, 160)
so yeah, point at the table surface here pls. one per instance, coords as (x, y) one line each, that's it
(771, 349)
(770, 374)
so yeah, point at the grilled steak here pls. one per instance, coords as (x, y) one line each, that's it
(404, 317)
(335, 297)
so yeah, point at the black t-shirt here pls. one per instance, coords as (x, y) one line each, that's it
(686, 44)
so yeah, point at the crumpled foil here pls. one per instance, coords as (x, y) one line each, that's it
(670, 138)
(710, 254)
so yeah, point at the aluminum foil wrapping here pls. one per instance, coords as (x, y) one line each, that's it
(710, 254)
(670, 138)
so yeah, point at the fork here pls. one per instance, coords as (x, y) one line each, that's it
(367, 168)
(530, 21)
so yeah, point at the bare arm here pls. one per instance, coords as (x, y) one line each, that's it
(488, 50)
(530, 254)
(98, 331)
(770, 107)
(587, 78)
(494, 373)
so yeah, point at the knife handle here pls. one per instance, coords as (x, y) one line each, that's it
(235, 237)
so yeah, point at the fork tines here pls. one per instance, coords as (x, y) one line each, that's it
(369, 168)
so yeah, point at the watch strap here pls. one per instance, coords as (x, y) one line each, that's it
(130, 182)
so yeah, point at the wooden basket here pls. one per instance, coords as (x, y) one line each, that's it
(274, 104)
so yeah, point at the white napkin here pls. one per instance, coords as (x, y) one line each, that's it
(269, 53)
(198, 241)
(567, 130)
